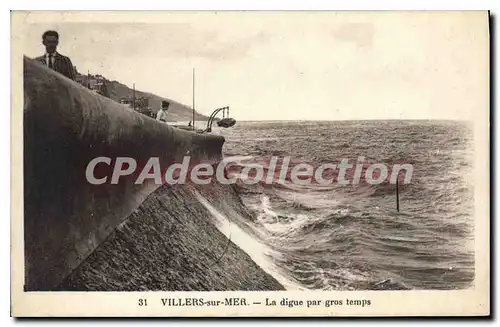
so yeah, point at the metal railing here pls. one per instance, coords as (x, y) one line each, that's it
(225, 113)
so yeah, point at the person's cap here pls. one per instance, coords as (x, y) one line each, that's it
(165, 104)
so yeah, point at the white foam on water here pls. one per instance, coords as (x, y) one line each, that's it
(315, 200)
(267, 212)
(256, 250)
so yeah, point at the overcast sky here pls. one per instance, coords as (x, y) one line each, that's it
(295, 65)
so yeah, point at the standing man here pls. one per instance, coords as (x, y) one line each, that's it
(53, 59)
(161, 115)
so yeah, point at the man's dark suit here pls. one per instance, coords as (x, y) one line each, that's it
(62, 65)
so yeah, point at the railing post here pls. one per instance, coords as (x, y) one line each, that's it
(397, 193)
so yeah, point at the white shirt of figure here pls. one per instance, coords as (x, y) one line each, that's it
(53, 58)
(161, 115)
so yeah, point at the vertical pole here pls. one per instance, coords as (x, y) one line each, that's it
(397, 194)
(88, 78)
(193, 100)
(133, 97)
(227, 112)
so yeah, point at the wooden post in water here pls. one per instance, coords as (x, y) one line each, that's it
(397, 193)
(133, 96)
